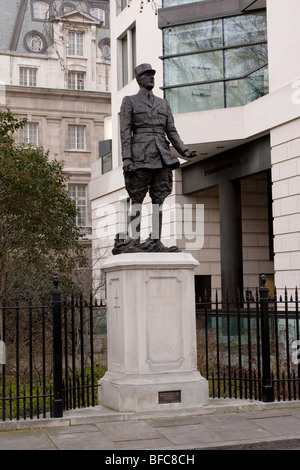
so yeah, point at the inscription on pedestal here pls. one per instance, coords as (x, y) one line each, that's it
(173, 396)
(163, 302)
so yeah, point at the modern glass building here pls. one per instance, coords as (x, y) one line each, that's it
(217, 63)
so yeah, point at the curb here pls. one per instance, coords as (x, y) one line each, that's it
(99, 414)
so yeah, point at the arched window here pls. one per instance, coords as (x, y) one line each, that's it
(67, 7)
(98, 13)
(40, 10)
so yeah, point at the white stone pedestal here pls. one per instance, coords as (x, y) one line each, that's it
(151, 327)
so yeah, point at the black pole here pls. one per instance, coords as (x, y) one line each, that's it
(57, 350)
(267, 387)
(231, 240)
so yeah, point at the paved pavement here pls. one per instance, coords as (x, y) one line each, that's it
(178, 435)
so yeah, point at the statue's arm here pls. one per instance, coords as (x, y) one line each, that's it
(174, 137)
(126, 134)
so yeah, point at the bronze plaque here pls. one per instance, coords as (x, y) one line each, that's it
(173, 396)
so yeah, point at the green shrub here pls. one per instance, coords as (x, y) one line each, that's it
(24, 401)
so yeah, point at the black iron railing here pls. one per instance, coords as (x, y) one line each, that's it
(26, 378)
(53, 351)
(247, 347)
(47, 355)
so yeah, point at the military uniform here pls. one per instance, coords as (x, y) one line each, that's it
(147, 128)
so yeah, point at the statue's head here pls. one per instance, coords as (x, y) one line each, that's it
(144, 75)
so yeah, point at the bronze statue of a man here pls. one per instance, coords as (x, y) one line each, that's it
(147, 128)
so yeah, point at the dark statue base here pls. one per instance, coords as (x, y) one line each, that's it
(132, 245)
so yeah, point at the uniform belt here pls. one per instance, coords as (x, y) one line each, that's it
(151, 130)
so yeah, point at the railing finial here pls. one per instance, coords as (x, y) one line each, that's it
(56, 281)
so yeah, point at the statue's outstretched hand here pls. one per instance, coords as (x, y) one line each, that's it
(190, 154)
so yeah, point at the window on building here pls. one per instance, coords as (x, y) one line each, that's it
(76, 137)
(40, 10)
(106, 163)
(78, 193)
(133, 49)
(217, 63)
(76, 80)
(67, 7)
(128, 53)
(106, 155)
(98, 13)
(121, 4)
(124, 61)
(75, 43)
(28, 76)
(29, 133)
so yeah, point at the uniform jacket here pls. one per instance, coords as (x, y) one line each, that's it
(146, 132)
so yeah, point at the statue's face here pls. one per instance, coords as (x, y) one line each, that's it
(146, 80)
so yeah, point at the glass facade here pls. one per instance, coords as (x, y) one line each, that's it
(217, 63)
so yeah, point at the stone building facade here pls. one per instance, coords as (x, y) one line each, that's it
(55, 71)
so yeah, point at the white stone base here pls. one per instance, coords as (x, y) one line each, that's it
(152, 356)
(153, 392)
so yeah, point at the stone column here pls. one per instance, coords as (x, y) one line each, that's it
(231, 238)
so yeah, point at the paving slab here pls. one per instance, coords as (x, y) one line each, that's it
(76, 429)
(295, 412)
(87, 440)
(128, 431)
(271, 413)
(25, 440)
(281, 444)
(235, 427)
(192, 435)
(280, 426)
(172, 421)
(146, 444)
